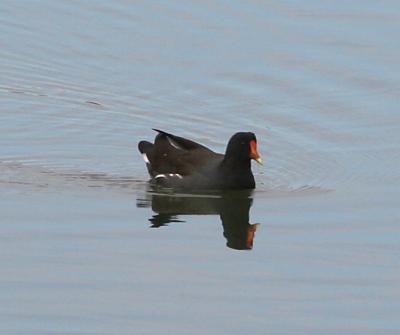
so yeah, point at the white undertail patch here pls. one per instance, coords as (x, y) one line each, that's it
(146, 159)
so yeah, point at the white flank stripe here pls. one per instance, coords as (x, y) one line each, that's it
(173, 143)
(175, 175)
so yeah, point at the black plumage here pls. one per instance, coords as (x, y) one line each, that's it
(176, 162)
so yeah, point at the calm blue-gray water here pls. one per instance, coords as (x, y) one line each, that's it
(86, 247)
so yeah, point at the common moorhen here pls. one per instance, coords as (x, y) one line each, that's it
(177, 162)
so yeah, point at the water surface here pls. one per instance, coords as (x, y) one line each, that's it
(88, 248)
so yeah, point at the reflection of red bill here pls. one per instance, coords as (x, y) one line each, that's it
(253, 152)
(250, 235)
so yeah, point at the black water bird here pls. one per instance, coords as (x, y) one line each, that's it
(177, 162)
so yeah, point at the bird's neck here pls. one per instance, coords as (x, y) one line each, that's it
(233, 164)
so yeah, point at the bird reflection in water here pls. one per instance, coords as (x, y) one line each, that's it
(233, 208)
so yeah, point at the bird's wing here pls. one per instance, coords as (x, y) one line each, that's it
(182, 143)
